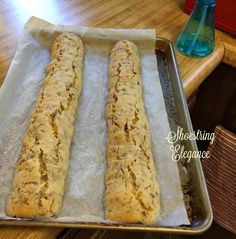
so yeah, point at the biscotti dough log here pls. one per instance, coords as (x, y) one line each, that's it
(40, 172)
(132, 190)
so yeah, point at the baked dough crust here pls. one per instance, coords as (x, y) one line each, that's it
(132, 190)
(40, 172)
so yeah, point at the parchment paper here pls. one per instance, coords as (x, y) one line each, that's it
(85, 186)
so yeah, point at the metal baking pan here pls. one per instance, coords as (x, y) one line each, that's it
(197, 200)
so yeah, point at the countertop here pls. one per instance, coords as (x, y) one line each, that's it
(166, 16)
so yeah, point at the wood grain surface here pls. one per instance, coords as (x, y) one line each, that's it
(166, 16)
(11, 232)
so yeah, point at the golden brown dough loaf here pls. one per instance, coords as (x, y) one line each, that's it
(132, 190)
(40, 172)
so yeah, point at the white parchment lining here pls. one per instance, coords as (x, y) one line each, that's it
(85, 186)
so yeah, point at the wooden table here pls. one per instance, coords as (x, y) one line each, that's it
(166, 16)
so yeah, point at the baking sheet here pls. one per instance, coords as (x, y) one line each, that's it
(85, 187)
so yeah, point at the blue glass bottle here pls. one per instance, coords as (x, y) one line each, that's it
(197, 38)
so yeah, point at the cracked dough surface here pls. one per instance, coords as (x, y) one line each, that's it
(132, 190)
(40, 172)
